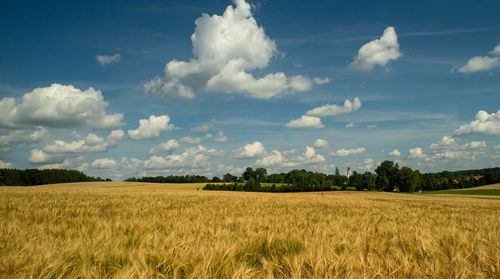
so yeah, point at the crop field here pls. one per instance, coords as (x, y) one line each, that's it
(143, 230)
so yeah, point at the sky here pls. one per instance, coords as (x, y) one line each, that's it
(124, 89)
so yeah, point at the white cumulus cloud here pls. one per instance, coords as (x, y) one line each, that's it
(310, 157)
(226, 48)
(395, 153)
(273, 159)
(378, 52)
(416, 152)
(448, 148)
(6, 165)
(151, 128)
(251, 150)
(91, 143)
(193, 157)
(39, 156)
(305, 121)
(482, 63)
(104, 163)
(474, 145)
(347, 152)
(333, 110)
(167, 146)
(58, 150)
(14, 138)
(484, 124)
(320, 143)
(300, 83)
(59, 106)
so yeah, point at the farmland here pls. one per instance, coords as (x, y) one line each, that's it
(144, 230)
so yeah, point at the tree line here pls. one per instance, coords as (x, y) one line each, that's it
(30, 177)
(173, 179)
(388, 177)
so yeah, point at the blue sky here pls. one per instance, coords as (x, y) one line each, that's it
(133, 88)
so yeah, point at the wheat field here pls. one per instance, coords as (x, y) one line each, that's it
(142, 230)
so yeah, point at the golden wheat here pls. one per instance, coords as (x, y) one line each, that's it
(142, 230)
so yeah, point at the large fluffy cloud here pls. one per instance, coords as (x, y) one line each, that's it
(151, 128)
(482, 63)
(484, 124)
(305, 121)
(251, 150)
(60, 106)
(378, 52)
(39, 156)
(275, 158)
(226, 48)
(333, 110)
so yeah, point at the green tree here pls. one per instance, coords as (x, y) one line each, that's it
(382, 182)
(429, 182)
(216, 179)
(369, 180)
(249, 172)
(390, 171)
(260, 174)
(252, 185)
(408, 180)
(356, 180)
(229, 178)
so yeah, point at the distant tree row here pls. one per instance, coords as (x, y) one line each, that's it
(460, 179)
(29, 177)
(173, 179)
(388, 177)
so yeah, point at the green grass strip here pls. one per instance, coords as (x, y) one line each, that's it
(481, 192)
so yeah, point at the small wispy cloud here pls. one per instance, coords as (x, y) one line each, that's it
(108, 59)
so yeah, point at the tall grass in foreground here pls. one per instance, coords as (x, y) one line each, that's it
(127, 230)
